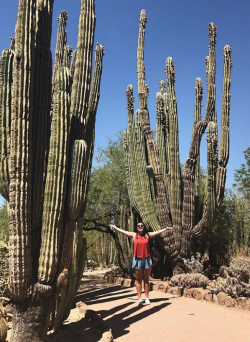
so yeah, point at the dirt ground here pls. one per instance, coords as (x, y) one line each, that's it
(167, 319)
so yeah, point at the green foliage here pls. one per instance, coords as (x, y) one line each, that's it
(242, 215)
(231, 234)
(107, 193)
(108, 187)
(220, 239)
(242, 177)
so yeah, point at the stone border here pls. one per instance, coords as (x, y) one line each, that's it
(197, 293)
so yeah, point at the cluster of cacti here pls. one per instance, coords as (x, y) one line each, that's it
(242, 263)
(157, 190)
(194, 265)
(189, 280)
(46, 144)
(233, 272)
(234, 282)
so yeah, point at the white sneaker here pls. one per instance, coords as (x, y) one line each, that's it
(140, 301)
(147, 301)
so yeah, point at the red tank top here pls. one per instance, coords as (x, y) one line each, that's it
(141, 246)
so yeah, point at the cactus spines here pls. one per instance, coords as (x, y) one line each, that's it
(173, 199)
(51, 115)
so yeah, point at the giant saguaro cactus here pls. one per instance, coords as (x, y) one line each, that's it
(46, 144)
(157, 190)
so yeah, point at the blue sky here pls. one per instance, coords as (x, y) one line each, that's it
(177, 29)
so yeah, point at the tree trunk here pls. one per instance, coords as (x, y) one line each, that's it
(31, 319)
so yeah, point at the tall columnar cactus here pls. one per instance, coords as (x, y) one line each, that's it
(47, 129)
(158, 191)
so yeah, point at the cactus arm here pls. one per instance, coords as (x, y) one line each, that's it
(137, 156)
(197, 118)
(89, 128)
(75, 275)
(210, 205)
(215, 187)
(67, 247)
(143, 120)
(224, 145)
(41, 118)
(20, 199)
(128, 171)
(198, 131)
(142, 87)
(95, 90)
(82, 157)
(175, 171)
(56, 177)
(191, 167)
(83, 66)
(6, 79)
(162, 133)
(76, 183)
(61, 41)
(73, 64)
(211, 66)
(67, 54)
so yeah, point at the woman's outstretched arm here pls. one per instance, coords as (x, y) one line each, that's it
(125, 232)
(153, 234)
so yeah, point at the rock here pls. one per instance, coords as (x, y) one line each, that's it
(240, 302)
(162, 287)
(127, 282)
(247, 305)
(107, 336)
(176, 290)
(197, 294)
(229, 302)
(221, 297)
(82, 308)
(119, 280)
(188, 292)
(208, 296)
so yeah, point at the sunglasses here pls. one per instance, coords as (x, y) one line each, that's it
(140, 225)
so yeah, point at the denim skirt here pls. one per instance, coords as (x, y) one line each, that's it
(141, 263)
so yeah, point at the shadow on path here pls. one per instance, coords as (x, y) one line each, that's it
(121, 316)
(121, 321)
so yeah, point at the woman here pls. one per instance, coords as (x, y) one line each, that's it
(142, 261)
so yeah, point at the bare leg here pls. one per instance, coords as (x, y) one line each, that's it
(138, 282)
(146, 274)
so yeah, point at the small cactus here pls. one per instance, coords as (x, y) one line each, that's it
(189, 280)
(233, 282)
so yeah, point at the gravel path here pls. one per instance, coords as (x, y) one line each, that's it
(167, 319)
